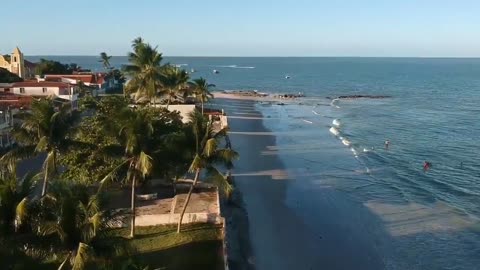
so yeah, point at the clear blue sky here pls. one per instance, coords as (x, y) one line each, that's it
(245, 28)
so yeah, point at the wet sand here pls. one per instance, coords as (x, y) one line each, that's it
(280, 238)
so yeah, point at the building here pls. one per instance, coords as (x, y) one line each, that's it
(94, 80)
(15, 63)
(20, 94)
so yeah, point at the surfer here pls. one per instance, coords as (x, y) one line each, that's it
(426, 166)
(387, 144)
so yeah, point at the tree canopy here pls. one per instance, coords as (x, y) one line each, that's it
(8, 77)
(53, 67)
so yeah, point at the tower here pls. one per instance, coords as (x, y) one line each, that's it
(17, 63)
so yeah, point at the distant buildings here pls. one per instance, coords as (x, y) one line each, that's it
(15, 63)
(20, 94)
(93, 80)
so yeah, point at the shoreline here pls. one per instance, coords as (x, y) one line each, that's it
(280, 234)
(278, 237)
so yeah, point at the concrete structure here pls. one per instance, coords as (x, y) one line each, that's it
(15, 63)
(204, 207)
(183, 109)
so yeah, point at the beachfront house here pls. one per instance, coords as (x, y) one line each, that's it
(60, 91)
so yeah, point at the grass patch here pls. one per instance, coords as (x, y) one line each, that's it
(198, 246)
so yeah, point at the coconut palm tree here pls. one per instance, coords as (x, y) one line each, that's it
(207, 156)
(77, 219)
(136, 137)
(144, 70)
(175, 83)
(200, 88)
(105, 59)
(14, 198)
(45, 129)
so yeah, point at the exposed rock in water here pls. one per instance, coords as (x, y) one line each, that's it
(363, 96)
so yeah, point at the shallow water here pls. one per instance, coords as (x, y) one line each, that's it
(428, 220)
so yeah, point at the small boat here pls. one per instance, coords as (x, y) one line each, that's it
(287, 77)
(216, 71)
(192, 70)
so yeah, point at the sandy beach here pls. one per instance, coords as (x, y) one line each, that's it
(279, 237)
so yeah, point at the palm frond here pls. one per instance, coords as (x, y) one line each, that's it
(210, 147)
(21, 211)
(82, 256)
(42, 144)
(218, 179)
(144, 164)
(18, 153)
(226, 156)
(111, 175)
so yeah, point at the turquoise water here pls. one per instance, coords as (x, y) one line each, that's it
(433, 114)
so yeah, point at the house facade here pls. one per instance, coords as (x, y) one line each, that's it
(59, 91)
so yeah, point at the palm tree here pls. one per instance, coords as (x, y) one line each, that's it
(105, 59)
(76, 218)
(14, 198)
(200, 88)
(144, 70)
(175, 82)
(136, 136)
(45, 129)
(207, 156)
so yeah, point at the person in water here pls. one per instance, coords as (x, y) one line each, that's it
(426, 166)
(387, 144)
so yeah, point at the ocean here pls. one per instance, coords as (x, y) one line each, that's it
(432, 114)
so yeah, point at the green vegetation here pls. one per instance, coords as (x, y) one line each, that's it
(61, 218)
(53, 67)
(8, 77)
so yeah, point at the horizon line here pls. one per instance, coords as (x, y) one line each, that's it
(293, 56)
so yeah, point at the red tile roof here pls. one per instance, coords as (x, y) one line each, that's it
(40, 84)
(86, 78)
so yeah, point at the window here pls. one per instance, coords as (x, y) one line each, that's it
(14, 59)
(22, 90)
(44, 89)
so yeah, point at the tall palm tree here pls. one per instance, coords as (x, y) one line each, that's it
(144, 70)
(175, 83)
(105, 59)
(201, 89)
(207, 156)
(45, 129)
(136, 136)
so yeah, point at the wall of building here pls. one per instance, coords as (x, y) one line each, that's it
(39, 91)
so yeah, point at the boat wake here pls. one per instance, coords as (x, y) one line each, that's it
(234, 66)
(334, 103)
(336, 122)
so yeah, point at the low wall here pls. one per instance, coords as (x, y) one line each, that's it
(165, 219)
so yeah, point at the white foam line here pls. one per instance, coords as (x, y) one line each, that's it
(306, 121)
(315, 112)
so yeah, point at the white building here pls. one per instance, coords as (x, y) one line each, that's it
(60, 90)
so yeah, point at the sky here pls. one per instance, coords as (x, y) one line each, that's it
(393, 28)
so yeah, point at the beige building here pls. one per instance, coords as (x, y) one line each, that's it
(15, 63)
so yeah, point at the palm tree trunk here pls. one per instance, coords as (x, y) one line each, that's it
(45, 181)
(202, 107)
(132, 225)
(197, 174)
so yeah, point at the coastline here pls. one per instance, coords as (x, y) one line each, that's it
(278, 238)
(279, 235)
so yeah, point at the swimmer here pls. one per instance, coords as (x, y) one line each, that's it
(426, 166)
(387, 144)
